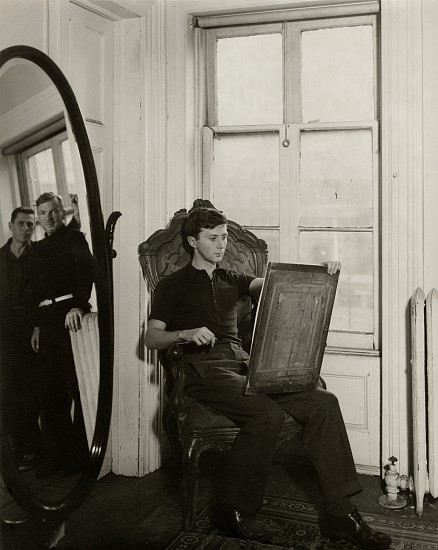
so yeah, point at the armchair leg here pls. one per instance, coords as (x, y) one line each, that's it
(192, 452)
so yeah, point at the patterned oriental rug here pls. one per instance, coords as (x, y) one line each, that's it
(297, 525)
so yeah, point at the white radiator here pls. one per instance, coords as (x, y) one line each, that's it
(424, 344)
(85, 345)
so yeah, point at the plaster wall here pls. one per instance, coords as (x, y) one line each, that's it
(23, 22)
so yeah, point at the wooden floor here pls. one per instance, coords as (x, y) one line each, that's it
(124, 513)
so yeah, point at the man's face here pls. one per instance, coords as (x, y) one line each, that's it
(51, 216)
(22, 227)
(211, 243)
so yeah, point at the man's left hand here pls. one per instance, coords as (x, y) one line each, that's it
(332, 267)
(73, 319)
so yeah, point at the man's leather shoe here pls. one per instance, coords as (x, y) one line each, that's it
(352, 527)
(237, 525)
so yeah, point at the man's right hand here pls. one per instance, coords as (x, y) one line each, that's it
(200, 336)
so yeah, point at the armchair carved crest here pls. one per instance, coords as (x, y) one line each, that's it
(192, 427)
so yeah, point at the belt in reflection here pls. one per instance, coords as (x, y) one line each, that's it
(59, 299)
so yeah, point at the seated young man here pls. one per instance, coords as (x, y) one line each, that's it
(197, 304)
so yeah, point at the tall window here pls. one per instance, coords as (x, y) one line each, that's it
(291, 151)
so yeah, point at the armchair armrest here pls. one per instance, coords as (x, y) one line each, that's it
(173, 363)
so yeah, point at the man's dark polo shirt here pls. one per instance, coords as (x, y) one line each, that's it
(188, 298)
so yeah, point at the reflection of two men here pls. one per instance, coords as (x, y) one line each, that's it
(60, 279)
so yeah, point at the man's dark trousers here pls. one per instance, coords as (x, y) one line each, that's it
(214, 377)
(64, 437)
(18, 381)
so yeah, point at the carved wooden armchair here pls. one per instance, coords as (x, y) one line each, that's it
(191, 427)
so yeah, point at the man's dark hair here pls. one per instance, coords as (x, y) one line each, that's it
(49, 196)
(21, 210)
(200, 218)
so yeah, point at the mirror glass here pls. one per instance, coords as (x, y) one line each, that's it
(49, 421)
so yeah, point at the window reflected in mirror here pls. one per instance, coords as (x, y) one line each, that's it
(48, 167)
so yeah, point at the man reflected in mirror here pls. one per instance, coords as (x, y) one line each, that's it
(18, 394)
(197, 305)
(62, 275)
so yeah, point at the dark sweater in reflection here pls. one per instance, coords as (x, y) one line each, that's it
(62, 264)
(18, 389)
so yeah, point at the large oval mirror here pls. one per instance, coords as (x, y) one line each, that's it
(44, 148)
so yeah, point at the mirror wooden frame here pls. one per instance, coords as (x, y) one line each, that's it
(53, 513)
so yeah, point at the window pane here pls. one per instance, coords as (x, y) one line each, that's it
(250, 92)
(336, 180)
(272, 239)
(337, 74)
(68, 165)
(42, 173)
(246, 178)
(353, 309)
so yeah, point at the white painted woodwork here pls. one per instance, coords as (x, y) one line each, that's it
(139, 193)
(356, 383)
(153, 215)
(305, 10)
(134, 391)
